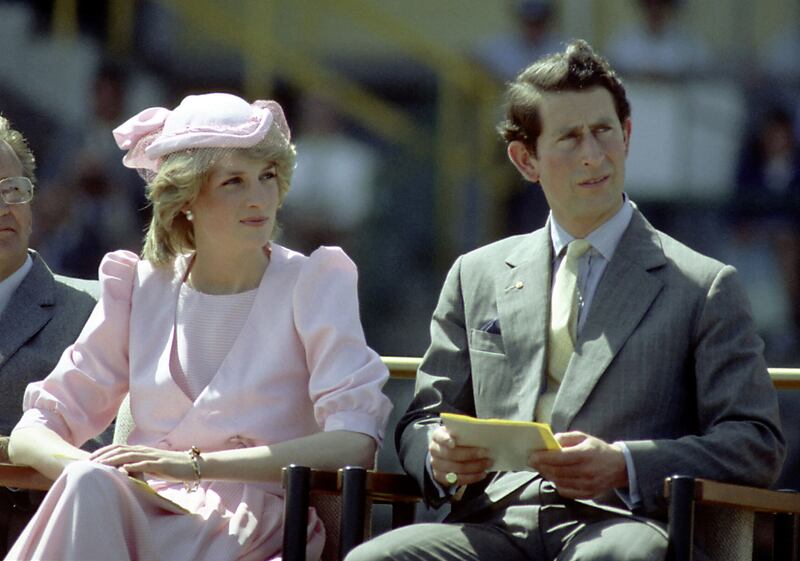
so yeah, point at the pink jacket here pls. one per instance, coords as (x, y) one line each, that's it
(300, 364)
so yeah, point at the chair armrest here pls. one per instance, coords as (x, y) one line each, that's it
(379, 486)
(382, 486)
(739, 496)
(23, 477)
(733, 509)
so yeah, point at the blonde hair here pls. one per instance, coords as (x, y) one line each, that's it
(19, 145)
(177, 184)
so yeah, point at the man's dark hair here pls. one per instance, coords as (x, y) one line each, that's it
(577, 68)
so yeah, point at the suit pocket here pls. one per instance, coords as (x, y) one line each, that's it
(486, 342)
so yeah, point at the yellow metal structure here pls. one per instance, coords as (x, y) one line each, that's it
(460, 142)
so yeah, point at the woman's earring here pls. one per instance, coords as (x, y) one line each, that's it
(189, 215)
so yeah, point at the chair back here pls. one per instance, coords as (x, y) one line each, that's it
(123, 426)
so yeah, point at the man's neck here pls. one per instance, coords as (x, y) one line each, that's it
(10, 266)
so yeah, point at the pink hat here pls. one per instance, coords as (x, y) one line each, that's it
(214, 120)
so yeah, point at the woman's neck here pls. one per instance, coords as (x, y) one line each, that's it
(227, 273)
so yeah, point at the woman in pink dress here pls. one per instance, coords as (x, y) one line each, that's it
(240, 356)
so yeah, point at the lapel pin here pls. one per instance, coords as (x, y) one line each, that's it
(518, 285)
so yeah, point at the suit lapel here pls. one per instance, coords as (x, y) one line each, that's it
(28, 311)
(625, 293)
(523, 294)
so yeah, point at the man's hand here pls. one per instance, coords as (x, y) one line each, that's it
(468, 463)
(585, 467)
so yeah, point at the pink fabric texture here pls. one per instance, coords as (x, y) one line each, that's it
(300, 365)
(213, 120)
(93, 513)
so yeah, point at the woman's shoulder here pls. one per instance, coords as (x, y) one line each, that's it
(116, 273)
(117, 264)
(321, 260)
(123, 266)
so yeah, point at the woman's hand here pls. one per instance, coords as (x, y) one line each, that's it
(167, 464)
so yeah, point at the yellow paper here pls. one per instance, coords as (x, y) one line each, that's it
(509, 442)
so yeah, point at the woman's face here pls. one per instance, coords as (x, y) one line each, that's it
(235, 210)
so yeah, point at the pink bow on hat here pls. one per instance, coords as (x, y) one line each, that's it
(147, 122)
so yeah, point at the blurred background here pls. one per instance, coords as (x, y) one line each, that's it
(393, 107)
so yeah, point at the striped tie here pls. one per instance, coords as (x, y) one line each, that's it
(563, 320)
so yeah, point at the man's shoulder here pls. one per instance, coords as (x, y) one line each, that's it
(42, 281)
(654, 249)
(688, 260)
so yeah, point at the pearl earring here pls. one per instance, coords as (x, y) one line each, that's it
(189, 215)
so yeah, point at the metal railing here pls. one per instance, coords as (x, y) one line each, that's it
(460, 140)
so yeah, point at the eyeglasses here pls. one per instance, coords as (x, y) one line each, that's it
(16, 190)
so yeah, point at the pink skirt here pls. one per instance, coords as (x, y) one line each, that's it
(94, 512)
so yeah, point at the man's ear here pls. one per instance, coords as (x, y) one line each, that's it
(626, 131)
(522, 159)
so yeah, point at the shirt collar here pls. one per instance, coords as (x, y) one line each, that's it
(604, 239)
(12, 282)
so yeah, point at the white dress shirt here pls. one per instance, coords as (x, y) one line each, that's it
(12, 282)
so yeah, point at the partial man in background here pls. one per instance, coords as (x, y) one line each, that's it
(40, 313)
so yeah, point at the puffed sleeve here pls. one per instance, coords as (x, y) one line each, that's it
(346, 376)
(80, 397)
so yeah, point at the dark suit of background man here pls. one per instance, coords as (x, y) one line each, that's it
(40, 314)
(666, 377)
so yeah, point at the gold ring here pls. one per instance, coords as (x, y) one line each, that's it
(451, 477)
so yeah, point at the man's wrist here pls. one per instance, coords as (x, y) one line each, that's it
(621, 480)
(633, 497)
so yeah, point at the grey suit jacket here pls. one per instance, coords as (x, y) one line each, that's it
(668, 361)
(45, 315)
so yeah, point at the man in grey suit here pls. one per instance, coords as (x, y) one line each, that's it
(664, 373)
(41, 314)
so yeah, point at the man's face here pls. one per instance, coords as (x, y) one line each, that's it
(580, 161)
(15, 220)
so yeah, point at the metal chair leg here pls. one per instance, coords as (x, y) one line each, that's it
(786, 537)
(680, 527)
(297, 483)
(354, 482)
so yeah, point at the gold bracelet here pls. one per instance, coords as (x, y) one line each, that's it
(194, 456)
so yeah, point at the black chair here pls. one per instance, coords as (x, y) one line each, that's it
(728, 522)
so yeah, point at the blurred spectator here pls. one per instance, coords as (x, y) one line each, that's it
(89, 200)
(505, 55)
(659, 46)
(333, 186)
(779, 59)
(766, 213)
(780, 65)
(768, 174)
(92, 17)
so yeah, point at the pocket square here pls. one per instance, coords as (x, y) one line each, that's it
(491, 326)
